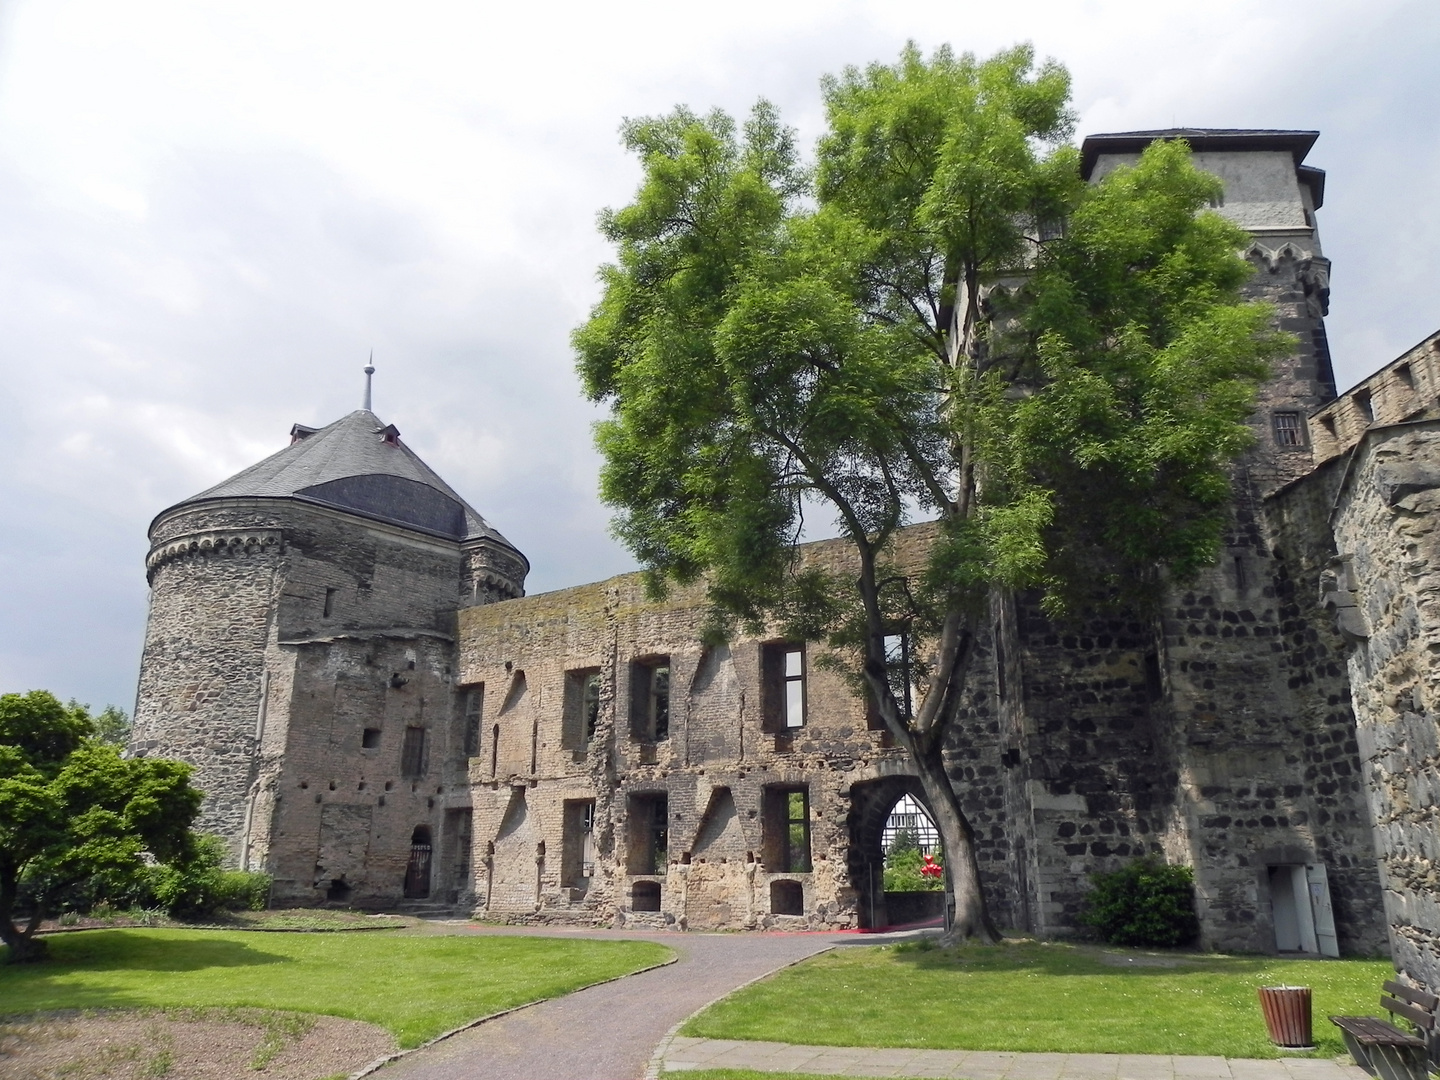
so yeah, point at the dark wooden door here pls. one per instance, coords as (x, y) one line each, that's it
(417, 873)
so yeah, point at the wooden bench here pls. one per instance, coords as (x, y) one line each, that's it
(1383, 1049)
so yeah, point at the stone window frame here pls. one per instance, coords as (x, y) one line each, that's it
(1281, 429)
(474, 717)
(647, 832)
(414, 761)
(650, 698)
(778, 681)
(786, 839)
(581, 708)
(578, 843)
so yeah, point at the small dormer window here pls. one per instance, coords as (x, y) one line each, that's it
(299, 432)
(390, 434)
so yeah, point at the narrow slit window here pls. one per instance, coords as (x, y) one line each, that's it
(474, 713)
(329, 604)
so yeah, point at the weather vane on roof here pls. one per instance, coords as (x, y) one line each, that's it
(369, 371)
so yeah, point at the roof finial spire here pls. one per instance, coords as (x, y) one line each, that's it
(369, 371)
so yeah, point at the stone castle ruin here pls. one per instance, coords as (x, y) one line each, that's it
(377, 712)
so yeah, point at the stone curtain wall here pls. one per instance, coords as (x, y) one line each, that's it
(714, 769)
(1386, 533)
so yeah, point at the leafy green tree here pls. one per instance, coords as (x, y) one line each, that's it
(72, 808)
(112, 725)
(937, 320)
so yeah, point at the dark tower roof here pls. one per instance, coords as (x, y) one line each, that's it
(1298, 143)
(357, 464)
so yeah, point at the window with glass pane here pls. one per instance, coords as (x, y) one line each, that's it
(897, 667)
(795, 688)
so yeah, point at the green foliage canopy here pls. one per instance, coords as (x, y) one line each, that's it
(937, 319)
(72, 808)
(772, 336)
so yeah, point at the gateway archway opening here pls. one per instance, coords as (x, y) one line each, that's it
(890, 816)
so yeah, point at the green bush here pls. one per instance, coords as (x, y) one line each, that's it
(1146, 903)
(198, 885)
(902, 870)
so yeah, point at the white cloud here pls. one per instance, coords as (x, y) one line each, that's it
(210, 213)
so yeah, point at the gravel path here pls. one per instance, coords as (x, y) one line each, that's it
(607, 1032)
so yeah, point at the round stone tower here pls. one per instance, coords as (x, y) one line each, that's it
(312, 593)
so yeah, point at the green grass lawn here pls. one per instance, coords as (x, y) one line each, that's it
(416, 987)
(1029, 996)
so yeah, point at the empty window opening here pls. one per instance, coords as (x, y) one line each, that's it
(1328, 423)
(1365, 405)
(1406, 375)
(783, 674)
(650, 699)
(1289, 430)
(909, 825)
(1000, 688)
(338, 891)
(417, 870)
(577, 857)
(494, 749)
(648, 833)
(474, 716)
(1154, 678)
(1240, 579)
(786, 834)
(787, 898)
(645, 896)
(370, 739)
(582, 708)
(329, 604)
(412, 753)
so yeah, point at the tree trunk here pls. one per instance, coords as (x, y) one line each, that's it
(972, 918)
(25, 947)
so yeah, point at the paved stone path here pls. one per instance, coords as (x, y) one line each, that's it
(607, 1032)
(611, 1032)
(684, 1054)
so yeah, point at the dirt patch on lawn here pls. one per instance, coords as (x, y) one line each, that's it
(200, 1044)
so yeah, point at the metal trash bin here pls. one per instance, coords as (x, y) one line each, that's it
(1287, 1016)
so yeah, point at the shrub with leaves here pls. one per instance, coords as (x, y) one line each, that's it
(905, 870)
(199, 886)
(1147, 903)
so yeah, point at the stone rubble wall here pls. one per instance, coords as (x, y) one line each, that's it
(1387, 529)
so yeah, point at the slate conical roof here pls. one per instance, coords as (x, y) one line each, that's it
(358, 464)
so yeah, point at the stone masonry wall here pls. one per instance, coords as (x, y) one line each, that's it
(718, 770)
(1388, 545)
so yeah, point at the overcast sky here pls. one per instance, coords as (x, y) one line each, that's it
(211, 213)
